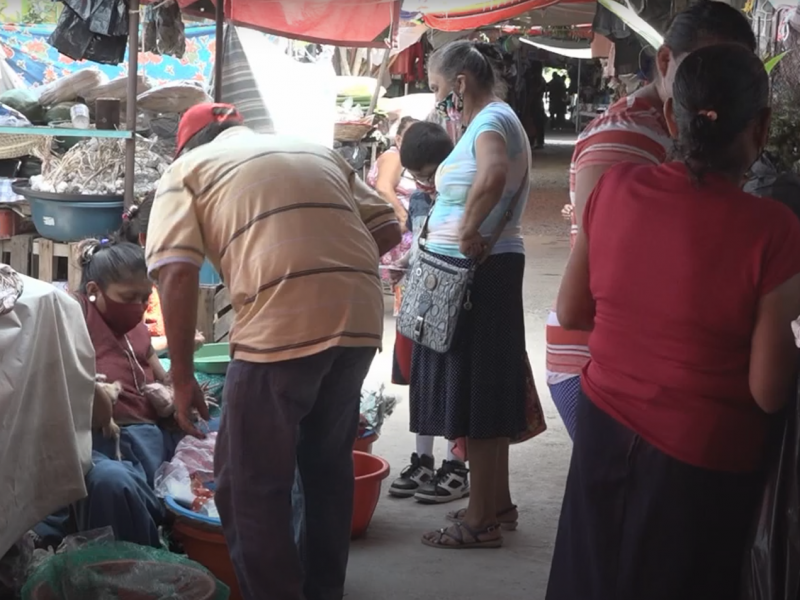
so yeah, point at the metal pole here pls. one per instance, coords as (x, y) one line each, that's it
(218, 54)
(578, 101)
(381, 74)
(130, 107)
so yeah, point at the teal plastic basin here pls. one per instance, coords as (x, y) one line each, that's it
(75, 221)
(213, 359)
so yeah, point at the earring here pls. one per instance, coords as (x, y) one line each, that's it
(93, 298)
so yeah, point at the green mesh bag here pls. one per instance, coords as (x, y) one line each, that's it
(122, 571)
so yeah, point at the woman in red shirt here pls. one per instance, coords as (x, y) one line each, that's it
(688, 286)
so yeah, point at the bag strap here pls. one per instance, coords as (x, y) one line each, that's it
(498, 231)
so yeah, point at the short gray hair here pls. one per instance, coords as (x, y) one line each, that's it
(482, 61)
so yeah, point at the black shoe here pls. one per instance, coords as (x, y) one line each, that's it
(416, 474)
(450, 483)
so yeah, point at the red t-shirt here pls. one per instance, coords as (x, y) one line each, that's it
(676, 271)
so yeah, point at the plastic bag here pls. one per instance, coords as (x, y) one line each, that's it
(772, 564)
(73, 38)
(106, 571)
(193, 457)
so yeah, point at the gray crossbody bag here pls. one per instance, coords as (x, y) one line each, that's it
(436, 291)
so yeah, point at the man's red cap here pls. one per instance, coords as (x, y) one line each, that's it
(200, 116)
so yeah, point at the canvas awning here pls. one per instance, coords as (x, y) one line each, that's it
(442, 15)
(355, 23)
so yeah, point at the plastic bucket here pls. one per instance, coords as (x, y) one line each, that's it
(370, 472)
(206, 545)
(8, 224)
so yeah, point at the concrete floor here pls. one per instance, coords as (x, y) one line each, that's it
(390, 563)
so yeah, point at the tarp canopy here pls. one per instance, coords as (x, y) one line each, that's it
(447, 15)
(562, 48)
(355, 23)
(37, 62)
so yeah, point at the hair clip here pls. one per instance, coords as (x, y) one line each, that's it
(711, 115)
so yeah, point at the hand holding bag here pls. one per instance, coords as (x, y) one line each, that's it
(437, 291)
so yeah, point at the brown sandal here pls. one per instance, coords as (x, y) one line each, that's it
(452, 538)
(457, 516)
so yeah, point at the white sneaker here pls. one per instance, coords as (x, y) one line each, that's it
(451, 482)
(418, 473)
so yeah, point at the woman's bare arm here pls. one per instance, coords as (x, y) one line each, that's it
(576, 307)
(773, 353)
(491, 158)
(390, 170)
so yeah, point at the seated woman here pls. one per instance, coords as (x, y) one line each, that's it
(114, 294)
(688, 286)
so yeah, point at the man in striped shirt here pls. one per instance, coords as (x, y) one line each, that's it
(296, 237)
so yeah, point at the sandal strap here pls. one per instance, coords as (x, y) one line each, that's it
(511, 509)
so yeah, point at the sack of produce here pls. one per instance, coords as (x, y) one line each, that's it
(59, 113)
(173, 97)
(71, 87)
(117, 89)
(25, 102)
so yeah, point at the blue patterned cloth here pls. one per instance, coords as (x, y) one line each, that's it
(37, 62)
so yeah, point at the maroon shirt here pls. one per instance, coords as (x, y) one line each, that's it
(123, 359)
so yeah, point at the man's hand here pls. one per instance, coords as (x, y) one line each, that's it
(471, 244)
(188, 396)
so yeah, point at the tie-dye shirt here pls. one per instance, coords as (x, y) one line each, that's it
(456, 176)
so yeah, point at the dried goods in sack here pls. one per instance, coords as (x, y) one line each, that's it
(71, 87)
(116, 89)
(173, 97)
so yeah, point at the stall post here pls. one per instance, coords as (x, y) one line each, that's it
(219, 48)
(381, 74)
(130, 108)
(578, 103)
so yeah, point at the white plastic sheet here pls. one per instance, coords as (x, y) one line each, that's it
(47, 370)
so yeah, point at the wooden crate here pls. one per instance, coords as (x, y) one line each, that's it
(43, 259)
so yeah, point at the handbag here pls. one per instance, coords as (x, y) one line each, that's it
(437, 291)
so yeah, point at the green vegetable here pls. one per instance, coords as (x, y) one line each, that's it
(26, 102)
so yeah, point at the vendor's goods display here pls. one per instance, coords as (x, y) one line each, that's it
(97, 166)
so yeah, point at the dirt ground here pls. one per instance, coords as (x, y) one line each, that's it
(390, 563)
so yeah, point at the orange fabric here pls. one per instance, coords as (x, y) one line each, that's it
(153, 317)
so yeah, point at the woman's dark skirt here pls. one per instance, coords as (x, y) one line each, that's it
(477, 389)
(639, 525)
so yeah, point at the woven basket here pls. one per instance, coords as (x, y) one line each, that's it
(352, 131)
(16, 145)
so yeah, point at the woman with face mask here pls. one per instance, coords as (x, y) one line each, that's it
(476, 390)
(114, 293)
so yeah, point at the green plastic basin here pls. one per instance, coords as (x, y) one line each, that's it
(212, 359)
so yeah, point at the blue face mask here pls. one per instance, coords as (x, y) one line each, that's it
(451, 107)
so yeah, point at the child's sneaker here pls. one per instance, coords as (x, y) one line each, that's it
(450, 483)
(418, 473)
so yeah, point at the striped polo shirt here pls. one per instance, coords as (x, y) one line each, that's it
(287, 224)
(632, 130)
